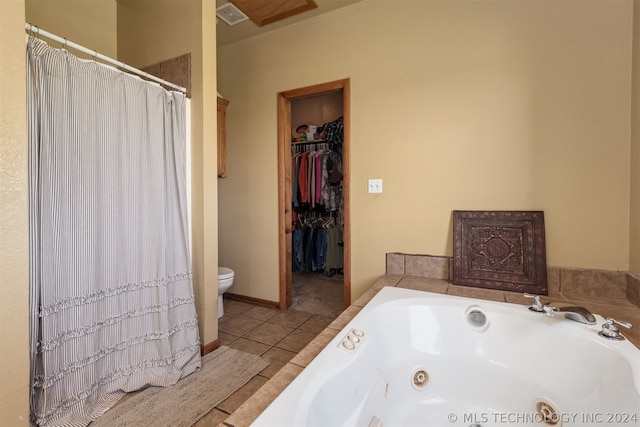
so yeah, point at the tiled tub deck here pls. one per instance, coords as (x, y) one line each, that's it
(619, 308)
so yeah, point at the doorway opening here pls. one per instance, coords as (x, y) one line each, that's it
(287, 217)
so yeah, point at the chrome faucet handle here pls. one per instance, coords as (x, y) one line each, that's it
(537, 305)
(609, 329)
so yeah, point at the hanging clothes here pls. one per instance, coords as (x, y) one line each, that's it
(310, 246)
(317, 181)
(335, 250)
(332, 181)
(317, 204)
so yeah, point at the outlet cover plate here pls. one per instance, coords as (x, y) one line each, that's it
(375, 186)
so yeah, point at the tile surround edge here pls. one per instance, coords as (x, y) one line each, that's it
(571, 281)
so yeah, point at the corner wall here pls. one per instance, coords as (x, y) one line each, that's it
(14, 225)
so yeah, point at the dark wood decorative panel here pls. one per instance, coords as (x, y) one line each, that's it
(502, 250)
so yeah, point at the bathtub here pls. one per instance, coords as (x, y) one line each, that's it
(412, 358)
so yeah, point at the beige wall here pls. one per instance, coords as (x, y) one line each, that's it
(150, 32)
(90, 23)
(634, 234)
(455, 105)
(14, 232)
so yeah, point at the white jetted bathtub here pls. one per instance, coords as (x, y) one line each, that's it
(413, 358)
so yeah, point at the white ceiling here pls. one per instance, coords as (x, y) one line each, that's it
(229, 34)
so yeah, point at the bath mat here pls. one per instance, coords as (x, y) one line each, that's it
(223, 372)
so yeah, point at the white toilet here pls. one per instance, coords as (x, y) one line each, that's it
(225, 280)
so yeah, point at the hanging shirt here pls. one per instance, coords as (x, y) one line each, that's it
(334, 131)
(303, 178)
(318, 180)
(295, 166)
(331, 192)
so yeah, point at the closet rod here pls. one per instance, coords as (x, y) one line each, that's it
(316, 141)
(40, 32)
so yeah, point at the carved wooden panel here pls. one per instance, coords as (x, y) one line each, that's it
(502, 250)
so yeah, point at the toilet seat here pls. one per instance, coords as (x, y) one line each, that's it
(224, 273)
(225, 280)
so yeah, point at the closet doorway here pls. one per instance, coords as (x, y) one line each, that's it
(288, 216)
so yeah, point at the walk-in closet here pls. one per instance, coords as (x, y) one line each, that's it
(317, 204)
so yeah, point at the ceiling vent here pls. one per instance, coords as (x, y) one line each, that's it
(230, 14)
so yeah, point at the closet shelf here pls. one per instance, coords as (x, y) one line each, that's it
(314, 141)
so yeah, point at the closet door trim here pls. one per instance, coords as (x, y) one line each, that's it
(285, 183)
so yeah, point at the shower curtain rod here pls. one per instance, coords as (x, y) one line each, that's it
(40, 32)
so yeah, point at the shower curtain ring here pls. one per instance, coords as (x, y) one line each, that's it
(65, 44)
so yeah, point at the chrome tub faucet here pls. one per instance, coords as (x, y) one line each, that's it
(570, 311)
(579, 314)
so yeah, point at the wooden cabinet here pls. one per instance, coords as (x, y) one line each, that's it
(222, 137)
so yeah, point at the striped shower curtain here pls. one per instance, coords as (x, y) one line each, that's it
(111, 297)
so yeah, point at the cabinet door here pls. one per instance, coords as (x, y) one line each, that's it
(222, 137)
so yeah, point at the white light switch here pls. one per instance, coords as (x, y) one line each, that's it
(375, 186)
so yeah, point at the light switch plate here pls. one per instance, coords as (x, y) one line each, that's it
(375, 186)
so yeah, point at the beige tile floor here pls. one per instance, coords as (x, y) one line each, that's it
(274, 335)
